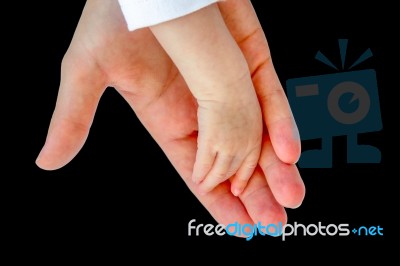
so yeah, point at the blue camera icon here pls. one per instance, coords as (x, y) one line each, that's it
(325, 106)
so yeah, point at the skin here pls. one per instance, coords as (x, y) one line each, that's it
(229, 115)
(104, 53)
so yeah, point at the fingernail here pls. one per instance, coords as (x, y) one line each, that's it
(295, 130)
(296, 206)
(236, 191)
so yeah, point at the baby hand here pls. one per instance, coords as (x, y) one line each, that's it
(230, 134)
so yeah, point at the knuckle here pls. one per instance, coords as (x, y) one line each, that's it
(220, 176)
(251, 165)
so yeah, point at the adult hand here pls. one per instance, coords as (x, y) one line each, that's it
(104, 53)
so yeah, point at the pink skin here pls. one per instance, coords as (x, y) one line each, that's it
(103, 53)
(229, 115)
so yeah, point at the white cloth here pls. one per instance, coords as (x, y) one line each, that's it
(144, 13)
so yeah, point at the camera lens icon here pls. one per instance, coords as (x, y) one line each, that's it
(359, 94)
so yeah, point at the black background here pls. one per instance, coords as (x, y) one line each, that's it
(111, 196)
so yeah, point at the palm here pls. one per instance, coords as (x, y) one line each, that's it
(137, 66)
(103, 53)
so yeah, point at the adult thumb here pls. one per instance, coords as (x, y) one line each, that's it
(81, 87)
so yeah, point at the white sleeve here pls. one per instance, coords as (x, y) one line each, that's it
(144, 13)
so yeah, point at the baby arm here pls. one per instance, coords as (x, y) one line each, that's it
(229, 115)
